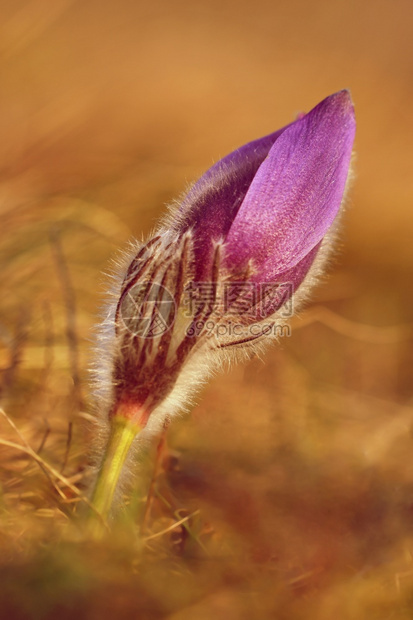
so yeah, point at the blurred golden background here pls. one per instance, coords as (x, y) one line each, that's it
(295, 471)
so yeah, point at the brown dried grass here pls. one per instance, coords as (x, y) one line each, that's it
(288, 492)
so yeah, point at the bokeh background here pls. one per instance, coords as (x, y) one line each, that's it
(294, 471)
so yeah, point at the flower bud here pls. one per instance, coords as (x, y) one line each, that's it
(226, 265)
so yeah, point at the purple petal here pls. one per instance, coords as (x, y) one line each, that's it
(293, 279)
(297, 191)
(211, 205)
(266, 298)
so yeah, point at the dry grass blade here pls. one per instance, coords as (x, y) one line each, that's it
(16, 348)
(357, 331)
(68, 444)
(48, 469)
(172, 527)
(70, 303)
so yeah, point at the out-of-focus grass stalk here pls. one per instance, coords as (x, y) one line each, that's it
(123, 433)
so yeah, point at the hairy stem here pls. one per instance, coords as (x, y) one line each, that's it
(120, 440)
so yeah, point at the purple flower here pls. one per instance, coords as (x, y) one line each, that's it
(219, 277)
(246, 240)
(274, 199)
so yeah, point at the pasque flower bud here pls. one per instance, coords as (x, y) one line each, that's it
(221, 272)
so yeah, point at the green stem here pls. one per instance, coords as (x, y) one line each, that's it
(120, 440)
